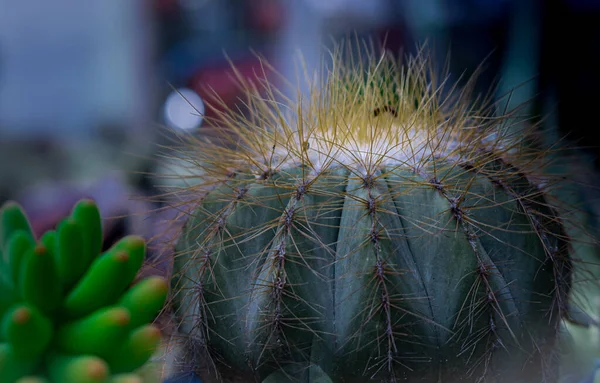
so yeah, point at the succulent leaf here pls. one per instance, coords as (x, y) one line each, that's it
(59, 321)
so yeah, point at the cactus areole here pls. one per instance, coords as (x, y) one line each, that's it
(383, 229)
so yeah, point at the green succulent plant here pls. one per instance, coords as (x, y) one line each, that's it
(360, 235)
(68, 311)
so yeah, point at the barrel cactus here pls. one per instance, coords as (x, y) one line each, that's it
(68, 312)
(387, 228)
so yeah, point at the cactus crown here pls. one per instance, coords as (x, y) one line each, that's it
(385, 221)
(369, 111)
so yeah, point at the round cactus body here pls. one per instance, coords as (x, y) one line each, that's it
(375, 232)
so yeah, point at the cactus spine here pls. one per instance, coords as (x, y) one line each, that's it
(383, 229)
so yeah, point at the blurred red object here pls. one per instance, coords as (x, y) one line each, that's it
(266, 15)
(220, 80)
(166, 5)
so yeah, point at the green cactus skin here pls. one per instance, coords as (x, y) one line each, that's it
(397, 263)
(65, 308)
(329, 248)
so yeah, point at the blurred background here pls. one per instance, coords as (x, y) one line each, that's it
(90, 90)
